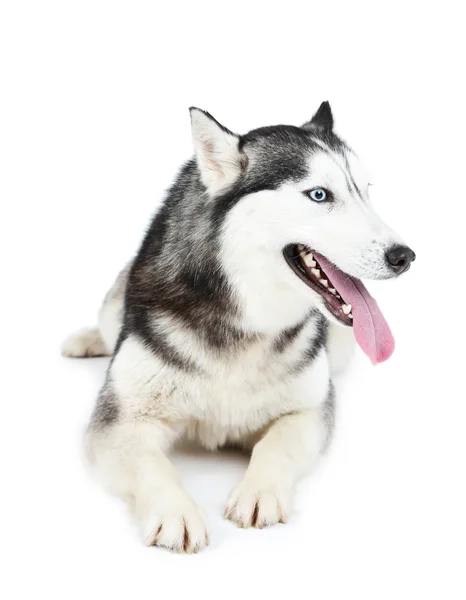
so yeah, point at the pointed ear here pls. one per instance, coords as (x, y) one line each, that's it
(217, 151)
(323, 119)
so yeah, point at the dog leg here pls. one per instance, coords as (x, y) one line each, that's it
(131, 461)
(290, 446)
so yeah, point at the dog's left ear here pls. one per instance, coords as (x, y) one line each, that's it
(323, 119)
(218, 155)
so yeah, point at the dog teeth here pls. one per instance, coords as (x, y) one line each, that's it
(309, 260)
(346, 308)
(316, 273)
(332, 291)
(324, 282)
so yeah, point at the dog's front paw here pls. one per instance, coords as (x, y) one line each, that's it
(258, 504)
(177, 525)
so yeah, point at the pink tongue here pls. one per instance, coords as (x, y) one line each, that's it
(371, 330)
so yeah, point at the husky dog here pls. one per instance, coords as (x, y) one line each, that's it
(243, 300)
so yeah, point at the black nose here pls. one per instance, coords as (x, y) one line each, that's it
(400, 258)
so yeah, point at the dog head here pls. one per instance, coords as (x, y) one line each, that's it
(294, 208)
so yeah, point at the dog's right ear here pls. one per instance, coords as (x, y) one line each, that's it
(323, 119)
(218, 155)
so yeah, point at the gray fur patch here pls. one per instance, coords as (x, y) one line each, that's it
(288, 336)
(106, 410)
(316, 344)
(328, 412)
(177, 271)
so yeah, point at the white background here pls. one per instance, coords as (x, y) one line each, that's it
(93, 125)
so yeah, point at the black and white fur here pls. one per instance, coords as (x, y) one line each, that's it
(213, 336)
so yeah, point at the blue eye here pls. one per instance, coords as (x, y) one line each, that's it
(318, 195)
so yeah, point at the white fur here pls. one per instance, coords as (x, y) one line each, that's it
(85, 342)
(202, 404)
(349, 233)
(229, 404)
(341, 346)
(247, 397)
(289, 448)
(131, 461)
(216, 151)
(110, 317)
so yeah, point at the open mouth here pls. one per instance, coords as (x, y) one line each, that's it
(346, 298)
(304, 263)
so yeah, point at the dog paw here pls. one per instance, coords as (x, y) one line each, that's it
(84, 343)
(179, 526)
(254, 504)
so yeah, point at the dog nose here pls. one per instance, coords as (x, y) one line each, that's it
(400, 258)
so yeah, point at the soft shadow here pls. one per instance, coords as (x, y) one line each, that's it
(94, 369)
